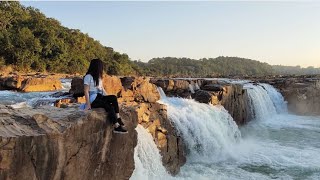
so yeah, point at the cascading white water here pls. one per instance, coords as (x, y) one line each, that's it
(260, 101)
(276, 97)
(207, 131)
(277, 146)
(148, 164)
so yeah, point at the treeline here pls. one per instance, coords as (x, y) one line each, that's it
(296, 70)
(212, 67)
(32, 42)
(29, 41)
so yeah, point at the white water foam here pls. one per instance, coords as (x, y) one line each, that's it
(260, 102)
(147, 158)
(274, 146)
(66, 84)
(207, 131)
(276, 97)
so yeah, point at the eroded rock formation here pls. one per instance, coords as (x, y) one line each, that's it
(153, 116)
(53, 143)
(30, 84)
(232, 96)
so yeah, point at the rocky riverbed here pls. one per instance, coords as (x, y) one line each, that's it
(63, 142)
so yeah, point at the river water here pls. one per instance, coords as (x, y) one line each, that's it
(29, 99)
(275, 145)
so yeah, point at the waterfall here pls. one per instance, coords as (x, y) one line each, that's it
(265, 100)
(276, 97)
(148, 164)
(216, 150)
(208, 131)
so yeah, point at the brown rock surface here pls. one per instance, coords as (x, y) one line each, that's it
(302, 98)
(30, 84)
(52, 143)
(112, 85)
(235, 100)
(77, 87)
(40, 84)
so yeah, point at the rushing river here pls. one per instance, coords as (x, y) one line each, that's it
(275, 145)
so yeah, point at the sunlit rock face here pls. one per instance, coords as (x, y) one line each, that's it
(54, 143)
(30, 83)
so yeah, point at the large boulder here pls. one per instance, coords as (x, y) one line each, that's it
(40, 84)
(235, 100)
(144, 91)
(112, 85)
(77, 87)
(53, 143)
(31, 84)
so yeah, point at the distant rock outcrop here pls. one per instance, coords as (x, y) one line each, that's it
(301, 92)
(30, 83)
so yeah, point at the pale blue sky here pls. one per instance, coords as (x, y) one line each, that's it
(286, 33)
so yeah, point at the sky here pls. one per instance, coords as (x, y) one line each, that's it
(286, 33)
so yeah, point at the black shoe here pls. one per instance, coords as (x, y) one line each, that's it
(120, 130)
(119, 120)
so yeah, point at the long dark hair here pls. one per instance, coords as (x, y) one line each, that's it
(96, 70)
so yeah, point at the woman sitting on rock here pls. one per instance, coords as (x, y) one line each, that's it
(96, 96)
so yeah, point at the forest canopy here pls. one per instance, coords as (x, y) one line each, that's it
(29, 41)
(212, 67)
(32, 42)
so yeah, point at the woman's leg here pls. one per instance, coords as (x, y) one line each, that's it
(112, 99)
(110, 104)
(100, 103)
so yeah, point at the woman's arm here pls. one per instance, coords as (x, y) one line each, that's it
(86, 94)
(104, 91)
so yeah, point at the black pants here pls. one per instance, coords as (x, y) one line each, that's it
(109, 103)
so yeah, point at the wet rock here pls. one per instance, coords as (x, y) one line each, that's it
(235, 100)
(212, 87)
(202, 96)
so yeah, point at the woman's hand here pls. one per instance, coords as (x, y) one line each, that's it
(88, 107)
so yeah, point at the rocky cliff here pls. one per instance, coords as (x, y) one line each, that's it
(301, 92)
(142, 96)
(53, 143)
